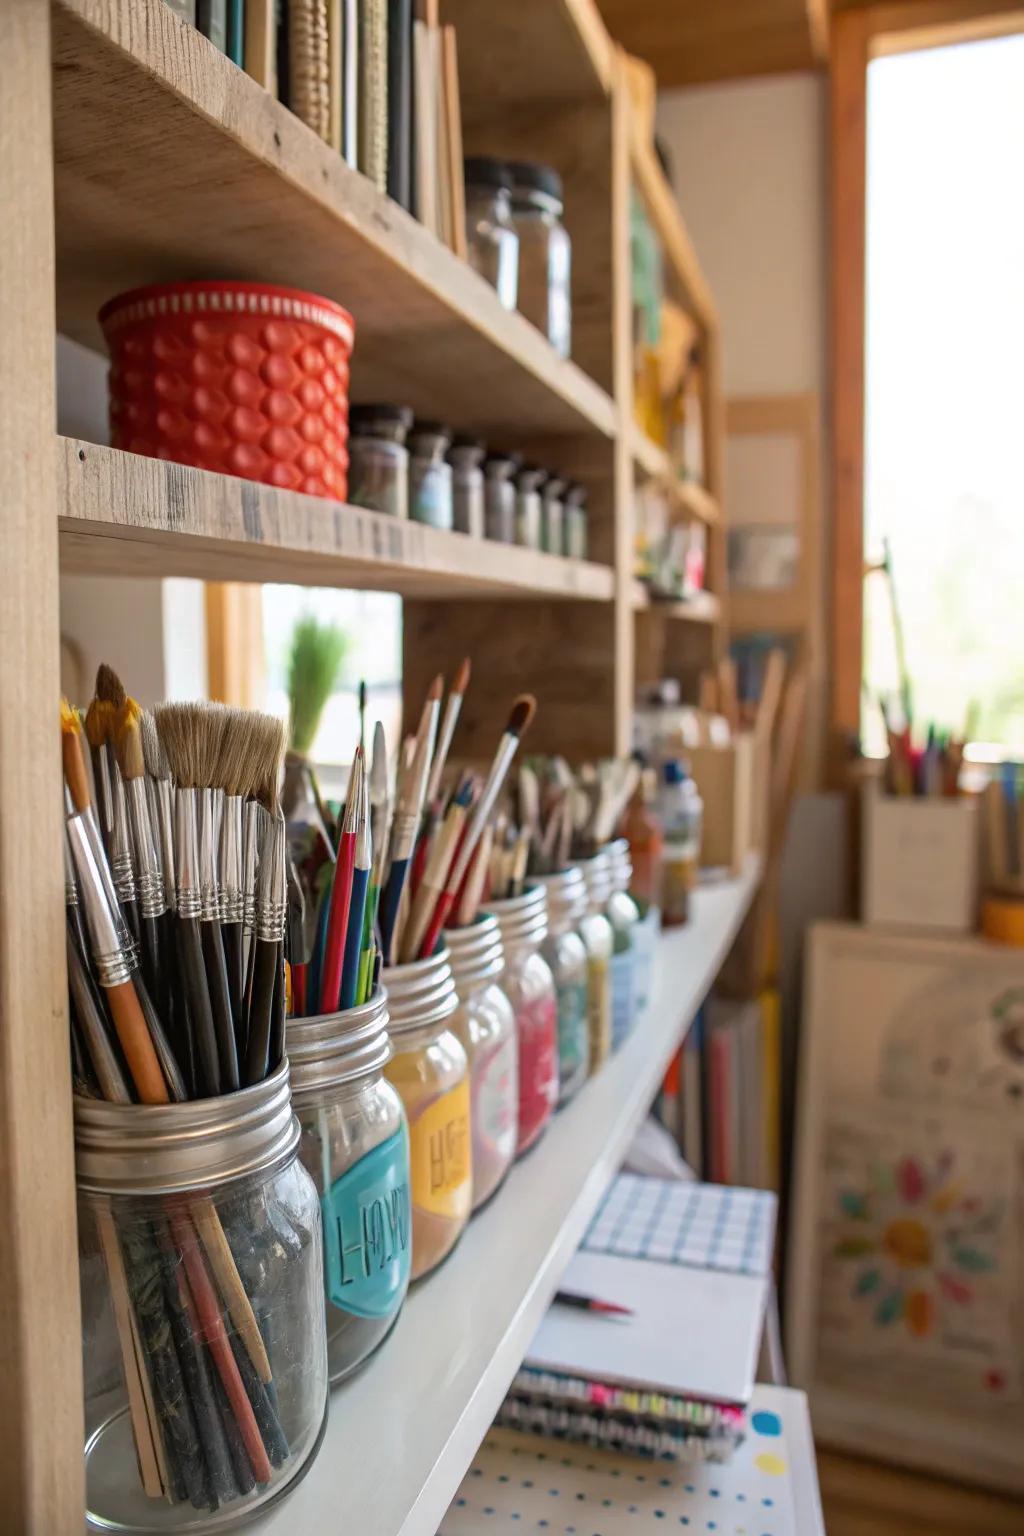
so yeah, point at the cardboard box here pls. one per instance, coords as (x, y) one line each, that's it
(919, 865)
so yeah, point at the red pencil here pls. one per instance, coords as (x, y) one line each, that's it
(591, 1304)
(341, 896)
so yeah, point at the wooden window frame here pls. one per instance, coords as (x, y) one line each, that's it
(859, 35)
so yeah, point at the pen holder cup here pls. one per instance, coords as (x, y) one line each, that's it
(204, 1348)
(919, 861)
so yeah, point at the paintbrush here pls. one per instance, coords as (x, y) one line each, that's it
(362, 715)
(380, 829)
(341, 894)
(233, 775)
(266, 992)
(476, 877)
(96, 721)
(161, 802)
(411, 797)
(357, 906)
(523, 711)
(127, 738)
(452, 708)
(105, 708)
(436, 872)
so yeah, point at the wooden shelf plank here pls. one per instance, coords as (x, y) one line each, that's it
(171, 162)
(690, 42)
(124, 514)
(535, 54)
(702, 608)
(401, 1435)
(663, 211)
(686, 498)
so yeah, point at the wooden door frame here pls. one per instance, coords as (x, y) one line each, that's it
(859, 34)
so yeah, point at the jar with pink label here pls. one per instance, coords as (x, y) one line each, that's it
(486, 1026)
(530, 988)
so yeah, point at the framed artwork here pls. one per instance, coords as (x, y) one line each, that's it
(905, 1282)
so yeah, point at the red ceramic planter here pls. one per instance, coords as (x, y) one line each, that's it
(241, 378)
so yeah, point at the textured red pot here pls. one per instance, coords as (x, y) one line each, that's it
(242, 378)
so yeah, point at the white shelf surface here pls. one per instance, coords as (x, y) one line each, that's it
(402, 1433)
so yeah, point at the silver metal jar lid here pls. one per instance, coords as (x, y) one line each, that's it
(421, 994)
(476, 953)
(161, 1149)
(567, 898)
(333, 1048)
(620, 864)
(523, 920)
(598, 876)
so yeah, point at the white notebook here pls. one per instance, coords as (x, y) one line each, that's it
(694, 1333)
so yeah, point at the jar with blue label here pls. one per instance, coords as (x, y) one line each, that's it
(355, 1145)
(624, 917)
(566, 954)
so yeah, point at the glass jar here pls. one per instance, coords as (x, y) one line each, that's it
(378, 473)
(530, 988)
(355, 1148)
(430, 475)
(566, 954)
(575, 518)
(622, 913)
(492, 245)
(552, 516)
(204, 1348)
(596, 933)
(528, 483)
(486, 1025)
(500, 497)
(430, 1071)
(466, 455)
(545, 252)
(682, 818)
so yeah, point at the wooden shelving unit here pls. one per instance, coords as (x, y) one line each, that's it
(701, 608)
(134, 152)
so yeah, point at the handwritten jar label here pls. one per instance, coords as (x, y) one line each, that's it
(573, 1040)
(440, 1155)
(494, 1102)
(599, 1009)
(367, 1220)
(623, 970)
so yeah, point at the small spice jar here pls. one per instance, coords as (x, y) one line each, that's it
(430, 1071)
(575, 516)
(528, 484)
(624, 917)
(596, 933)
(355, 1148)
(466, 457)
(545, 252)
(566, 954)
(500, 497)
(486, 1025)
(379, 469)
(430, 475)
(530, 988)
(204, 1347)
(552, 516)
(492, 245)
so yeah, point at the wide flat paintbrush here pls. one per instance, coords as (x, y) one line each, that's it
(435, 875)
(237, 763)
(271, 905)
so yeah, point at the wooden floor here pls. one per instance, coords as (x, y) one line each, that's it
(861, 1498)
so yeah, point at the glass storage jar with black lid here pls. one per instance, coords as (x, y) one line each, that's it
(528, 483)
(545, 252)
(430, 475)
(552, 516)
(378, 473)
(500, 496)
(492, 244)
(575, 520)
(466, 456)
(355, 1147)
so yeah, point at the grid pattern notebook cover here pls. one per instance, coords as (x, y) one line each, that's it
(701, 1226)
(523, 1486)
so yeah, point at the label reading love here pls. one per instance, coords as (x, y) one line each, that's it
(367, 1220)
(440, 1154)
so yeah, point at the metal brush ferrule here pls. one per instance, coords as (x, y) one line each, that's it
(252, 835)
(70, 884)
(186, 853)
(272, 884)
(229, 865)
(209, 890)
(147, 860)
(99, 853)
(122, 865)
(163, 820)
(114, 964)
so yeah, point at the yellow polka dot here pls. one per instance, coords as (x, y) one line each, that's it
(773, 1465)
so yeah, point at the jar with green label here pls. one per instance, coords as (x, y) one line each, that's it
(486, 1025)
(566, 954)
(355, 1146)
(596, 933)
(624, 917)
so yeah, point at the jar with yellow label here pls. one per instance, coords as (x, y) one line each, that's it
(431, 1073)
(486, 1025)
(596, 932)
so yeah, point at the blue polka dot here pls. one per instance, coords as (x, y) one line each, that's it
(712, 1526)
(488, 1509)
(478, 1471)
(665, 1482)
(767, 1503)
(554, 1492)
(659, 1514)
(741, 1498)
(527, 1483)
(714, 1493)
(632, 1509)
(581, 1497)
(460, 1503)
(542, 1522)
(766, 1423)
(689, 1487)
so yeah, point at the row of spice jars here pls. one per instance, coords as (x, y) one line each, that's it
(419, 469)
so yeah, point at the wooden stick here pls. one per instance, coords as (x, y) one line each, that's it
(145, 1447)
(222, 1262)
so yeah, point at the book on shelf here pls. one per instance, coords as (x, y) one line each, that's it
(373, 91)
(399, 149)
(212, 21)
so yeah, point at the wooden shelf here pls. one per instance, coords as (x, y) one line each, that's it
(689, 42)
(120, 513)
(170, 162)
(401, 1435)
(663, 212)
(702, 608)
(687, 498)
(535, 54)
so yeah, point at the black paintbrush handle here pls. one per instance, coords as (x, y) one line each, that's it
(232, 936)
(115, 1085)
(261, 1010)
(177, 1004)
(150, 960)
(241, 1466)
(130, 912)
(273, 1436)
(176, 1085)
(277, 1016)
(200, 1009)
(220, 1002)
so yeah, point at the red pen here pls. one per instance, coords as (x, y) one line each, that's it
(592, 1304)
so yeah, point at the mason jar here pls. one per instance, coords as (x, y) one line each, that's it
(545, 252)
(530, 988)
(528, 483)
(355, 1148)
(552, 516)
(492, 245)
(431, 1073)
(596, 933)
(500, 497)
(204, 1347)
(566, 954)
(378, 476)
(430, 475)
(624, 917)
(486, 1025)
(466, 456)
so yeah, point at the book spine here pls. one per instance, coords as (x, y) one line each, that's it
(335, 78)
(373, 83)
(350, 82)
(308, 64)
(236, 32)
(400, 101)
(261, 43)
(212, 21)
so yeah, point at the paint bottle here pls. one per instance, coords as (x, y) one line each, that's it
(430, 1071)
(486, 1025)
(566, 954)
(682, 817)
(530, 988)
